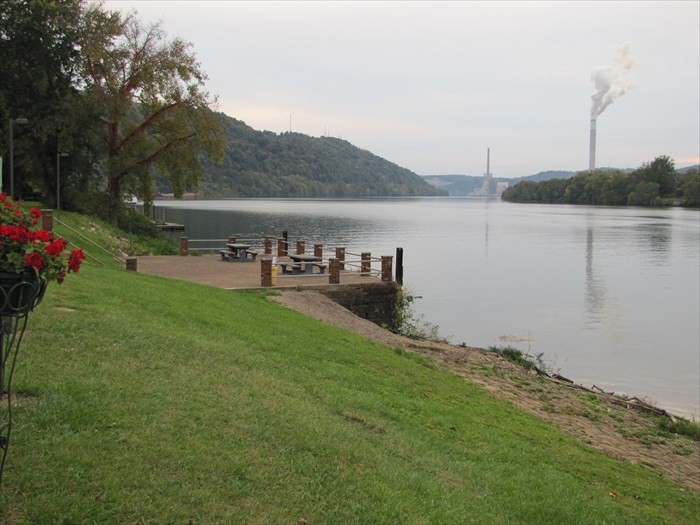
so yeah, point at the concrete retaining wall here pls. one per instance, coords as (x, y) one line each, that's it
(375, 302)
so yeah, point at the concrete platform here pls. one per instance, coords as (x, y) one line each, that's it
(211, 270)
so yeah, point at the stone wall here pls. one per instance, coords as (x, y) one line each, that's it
(375, 302)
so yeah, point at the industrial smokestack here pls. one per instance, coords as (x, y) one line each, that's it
(611, 82)
(591, 147)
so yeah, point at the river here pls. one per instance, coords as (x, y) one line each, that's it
(610, 296)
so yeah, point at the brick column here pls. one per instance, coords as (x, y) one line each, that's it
(47, 220)
(340, 254)
(231, 239)
(334, 271)
(268, 246)
(387, 269)
(183, 246)
(281, 247)
(131, 264)
(266, 272)
(318, 250)
(365, 263)
(300, 247)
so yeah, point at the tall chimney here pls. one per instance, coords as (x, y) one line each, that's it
(591, 147)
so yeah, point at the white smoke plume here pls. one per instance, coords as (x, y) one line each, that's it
(611, 82)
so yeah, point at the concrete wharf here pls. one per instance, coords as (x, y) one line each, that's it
(211, 270)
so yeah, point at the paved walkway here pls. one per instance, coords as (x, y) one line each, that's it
(213, 271)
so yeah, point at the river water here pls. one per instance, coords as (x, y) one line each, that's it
(609, 296)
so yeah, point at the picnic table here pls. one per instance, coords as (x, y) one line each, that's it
(307, 262)
(236, 251)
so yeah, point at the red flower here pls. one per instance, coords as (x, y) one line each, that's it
(25, 245)
(36, 215)
(33, 260)
(15, 233)
(76, 257)
(42, 236)
(56, 247)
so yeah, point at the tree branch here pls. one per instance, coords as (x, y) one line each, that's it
(155, 117)
(154, 156)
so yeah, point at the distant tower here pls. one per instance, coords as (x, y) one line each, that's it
(486, 186)
(591, 147)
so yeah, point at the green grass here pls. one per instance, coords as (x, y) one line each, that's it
(144, 400)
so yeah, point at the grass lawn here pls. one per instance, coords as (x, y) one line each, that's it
(143, 400)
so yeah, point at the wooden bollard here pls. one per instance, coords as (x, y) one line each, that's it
(265, 272)
(47, 220)
(365, 263)
(334, 271)
(387, 269)
(318, 250)
(340, 254)
(131, 264)
(268, 246)
(399, 265)
(300, 247)
(281, 247)
(183, 246)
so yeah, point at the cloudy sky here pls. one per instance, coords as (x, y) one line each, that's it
(432, 85)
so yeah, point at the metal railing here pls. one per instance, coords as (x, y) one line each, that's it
(93, 243)
(364, 263)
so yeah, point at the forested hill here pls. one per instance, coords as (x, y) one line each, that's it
(267, 164)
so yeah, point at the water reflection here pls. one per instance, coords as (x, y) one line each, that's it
(595, 286)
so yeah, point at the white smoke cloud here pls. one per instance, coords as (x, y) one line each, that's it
(611, 82)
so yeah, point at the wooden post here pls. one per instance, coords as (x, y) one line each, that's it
(386, 268)
(47, 220)
(340, 254)
(399, 265)
(300, 247)
(268, 246)
(334, 271)
(265, 272)
(131, 264)
(365, 263)
(183, 246)
(318, 250)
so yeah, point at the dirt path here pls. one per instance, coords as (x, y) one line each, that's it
(600, 420)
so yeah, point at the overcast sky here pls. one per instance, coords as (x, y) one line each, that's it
(431, 85)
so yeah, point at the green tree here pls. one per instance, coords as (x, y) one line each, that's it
(156, 114)
(39, 56)
(645, 194)
(661, 171)
(691, 188)
(551, 191)
(615, 189)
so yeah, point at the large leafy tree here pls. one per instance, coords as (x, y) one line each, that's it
(155, 112)
(39, 57)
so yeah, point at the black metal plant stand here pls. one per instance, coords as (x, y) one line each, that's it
(17, 299)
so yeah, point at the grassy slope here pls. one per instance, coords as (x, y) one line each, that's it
(155, 401)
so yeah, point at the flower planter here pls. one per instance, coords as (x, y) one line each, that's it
(20, 292)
